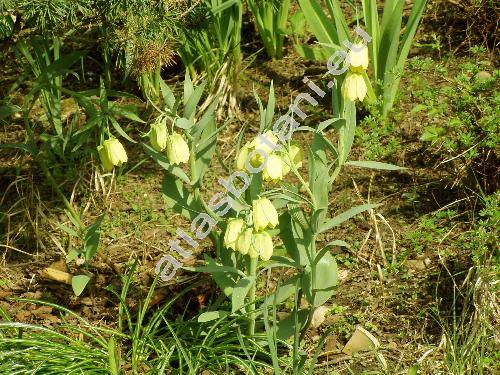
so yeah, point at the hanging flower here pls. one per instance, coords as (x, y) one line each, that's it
(112, 153)
(264, 214)
(273, 170)
(358, 57)
(244, 241)
(177, 149)
(354, 87)
(242, 157)
(158, 135)
(233, 230)
(266, 142)
(262, 245)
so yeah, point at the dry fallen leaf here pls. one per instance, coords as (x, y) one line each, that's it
(56, 275)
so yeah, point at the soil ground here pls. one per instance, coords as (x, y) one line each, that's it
(399, 304)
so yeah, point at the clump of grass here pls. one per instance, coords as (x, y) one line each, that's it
(151, 341)
(470, 333)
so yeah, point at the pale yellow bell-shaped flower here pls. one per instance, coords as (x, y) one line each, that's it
(158, 135)
(354, 87)
(177, 149)
(262, 245)
(295, 156)
(358, 57)
(112, 153)
(273, 170)
(253, 252)
(265, 142)
(261, 147)
(233, 230)
(244, 241)
(242, 157)
(103, 155)
(264, 214)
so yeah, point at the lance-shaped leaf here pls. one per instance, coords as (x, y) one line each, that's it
(79, 283)
(344, 216)
(212, 315)
(294, 239)
(240, 291)
(325, 281)
(286, 327)
(179, 198)
(283, 292)
(374, 165)
(92, 238)
(205, 150)
(162, 160)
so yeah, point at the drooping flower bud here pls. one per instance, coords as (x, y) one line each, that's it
(103, 155)
(112, 153)
(264, 214)
(358, 57)
(242, 157)
(158, 135)
(262, 245)
(295, 156)
(244, 241)
(354, 87)
(233, 230)
(273, 170)
(177, 149)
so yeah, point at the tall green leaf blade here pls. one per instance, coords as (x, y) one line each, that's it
(340, 22)
(406, 42)
(326, 279)
(389, 6)
(389, 43)
(372, 28)
(320, 25)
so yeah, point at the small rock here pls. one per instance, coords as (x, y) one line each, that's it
(282, 315)
(483, 76)
(319, 316)
(392, 345)
(343, 274)
(415, 264)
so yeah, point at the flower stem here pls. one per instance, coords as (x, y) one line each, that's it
(53, 182)
(251, 296)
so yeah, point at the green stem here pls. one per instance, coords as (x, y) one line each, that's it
(313, 288)
(296, 339)
(53, 182)
(198, 197)
(251, 296)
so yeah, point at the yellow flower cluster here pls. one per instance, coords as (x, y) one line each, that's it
(177, 148)
(354, 86)
(112, 153)
(256, 241)
(261, 150)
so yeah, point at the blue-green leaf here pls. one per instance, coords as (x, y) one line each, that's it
(374, 165)
(79, 283)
